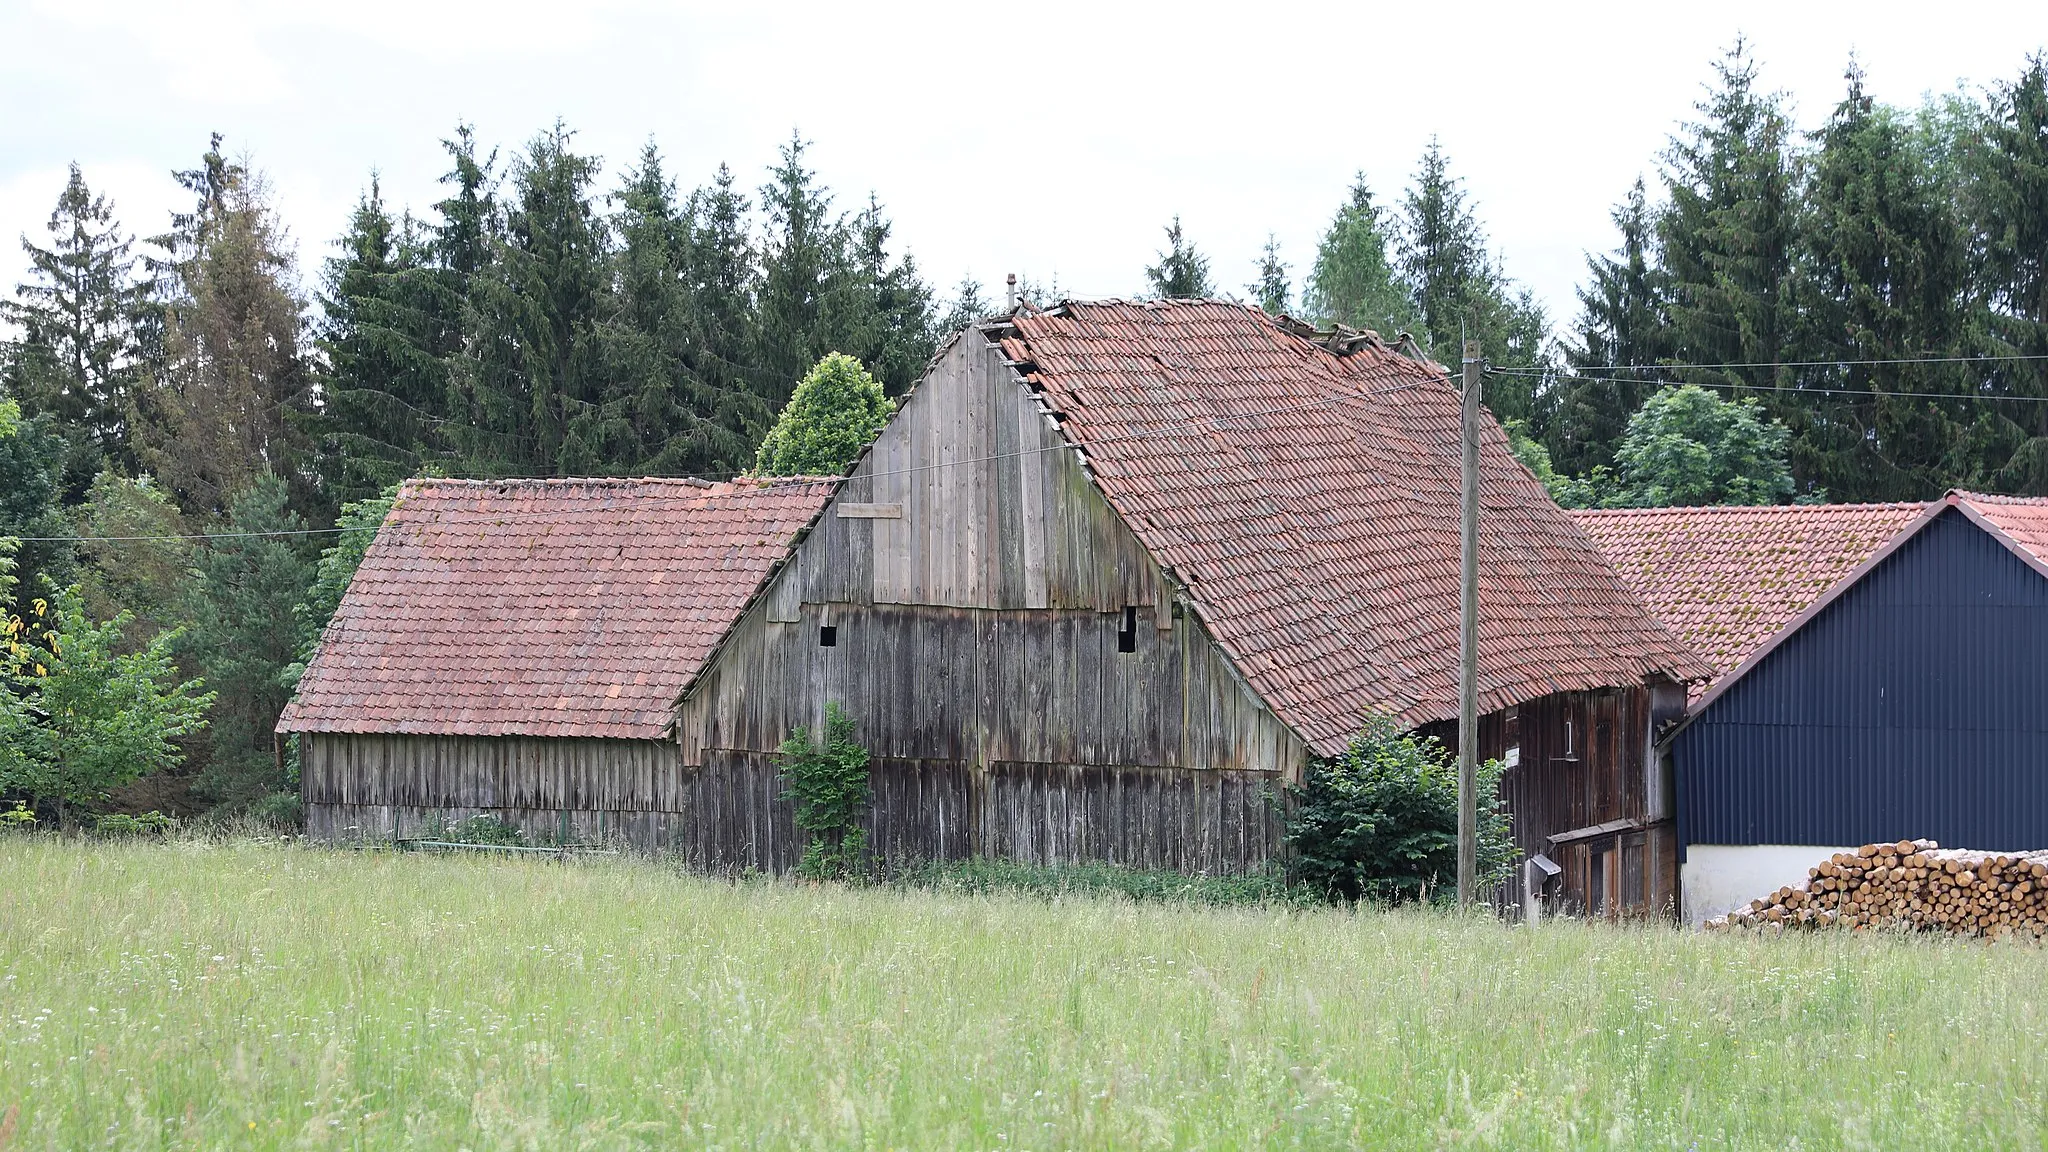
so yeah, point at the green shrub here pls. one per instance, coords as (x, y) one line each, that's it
(1381, 821)
(20, 817)
(279, 810)
(833, 414)
(830, 786)
(123, 824)
(479, 829)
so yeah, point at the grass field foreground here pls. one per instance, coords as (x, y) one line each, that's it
(247, 995)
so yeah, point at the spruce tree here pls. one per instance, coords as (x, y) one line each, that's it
(1879, 274)
(804, 244)
(245, 633)
(533, 381)
(968, 308)
(876, 307)
(671, 420)
(721, 270)
(1271, 289)
(1182, 272)
(1727, 233)
(383, 330)
(1459, 293)
(234, 391)
(1352, 281)
(1621, 322)
(2007, 205)
(76, 358)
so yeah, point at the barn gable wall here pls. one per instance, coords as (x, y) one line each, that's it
(977, 586)
(1908, 707)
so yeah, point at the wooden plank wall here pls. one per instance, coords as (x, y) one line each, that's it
(996, 511)
(1586, 760)
(982, 686)
(728, 815)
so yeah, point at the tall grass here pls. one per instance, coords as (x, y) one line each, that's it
(190, 994)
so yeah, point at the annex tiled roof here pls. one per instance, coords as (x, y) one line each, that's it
(1726, 579)
(544, 607)
(1307, 500)
(2023, 519)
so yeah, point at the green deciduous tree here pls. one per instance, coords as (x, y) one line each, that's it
(1182, 271)
(93, 714)
(1688, 446)
(32, 455)
(1352, 281)
(132, 558)
(829, 420)
(1380, 821)
(245, 634)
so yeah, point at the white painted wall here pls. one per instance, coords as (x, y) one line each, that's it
(1718, 877)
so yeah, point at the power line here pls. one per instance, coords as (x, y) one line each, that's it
(1985, 359)
(1793, 388)
(772, 482)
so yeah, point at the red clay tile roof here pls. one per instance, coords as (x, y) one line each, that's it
(2023, 519)
(544, 607)
(1726, 579)
(1309, 507)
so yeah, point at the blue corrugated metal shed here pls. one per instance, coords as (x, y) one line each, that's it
(1913, 703)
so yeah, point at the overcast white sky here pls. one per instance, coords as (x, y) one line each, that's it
(1053, 140)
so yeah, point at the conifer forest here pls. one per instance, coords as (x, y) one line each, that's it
(194, 429)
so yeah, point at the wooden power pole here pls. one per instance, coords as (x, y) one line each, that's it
(1468, 637)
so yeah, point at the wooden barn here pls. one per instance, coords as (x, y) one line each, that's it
(1879, 671)
(1114, 570)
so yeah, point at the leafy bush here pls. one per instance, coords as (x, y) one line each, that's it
(21, 817)
(123, 824)
(1381, 821)
(830, 418)
(79, 715)
(829, 784)
(479, 829)
(279, 810)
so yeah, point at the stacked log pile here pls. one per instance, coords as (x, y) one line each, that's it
(1915, 885)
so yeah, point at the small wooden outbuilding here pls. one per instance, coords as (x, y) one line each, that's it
(1114, 571)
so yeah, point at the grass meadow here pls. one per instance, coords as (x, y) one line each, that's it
(238, 994)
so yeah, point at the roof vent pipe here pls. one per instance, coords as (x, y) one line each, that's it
(1012, 292)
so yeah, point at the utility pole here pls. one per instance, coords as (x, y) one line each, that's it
(1468, 637)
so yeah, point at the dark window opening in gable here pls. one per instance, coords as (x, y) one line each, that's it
(1127, 631)
(828, 636)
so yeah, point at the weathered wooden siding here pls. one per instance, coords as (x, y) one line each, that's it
(992, 510)
(1585, 762)
(976, 584)
(727, 814)
(980, 686)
